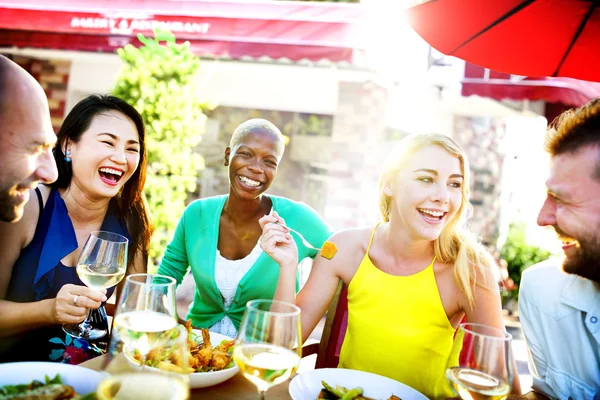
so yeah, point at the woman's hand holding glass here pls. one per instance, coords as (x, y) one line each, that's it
(101, 265)
(269, 344)
(481, 364)
(66, 311)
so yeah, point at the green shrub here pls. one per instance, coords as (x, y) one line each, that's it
(520, 255)
(161, 82)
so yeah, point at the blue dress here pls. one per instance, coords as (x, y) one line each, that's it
(38, 274)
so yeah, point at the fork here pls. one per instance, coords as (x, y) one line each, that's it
(305, 242)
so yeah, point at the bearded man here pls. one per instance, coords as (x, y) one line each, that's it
(559, 305)
(26, 139)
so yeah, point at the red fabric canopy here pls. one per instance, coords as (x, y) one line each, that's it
(525, 37)
(295, 30)
(500, 86)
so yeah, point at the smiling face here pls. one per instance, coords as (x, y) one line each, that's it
(253, 163)
(106, 155)
(573, 210)
(26, 140)
(427, 192)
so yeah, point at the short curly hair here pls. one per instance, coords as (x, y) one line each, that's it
(574, 129)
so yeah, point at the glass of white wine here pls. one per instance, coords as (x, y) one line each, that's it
(164, 376)
(481, 363)
(148, 352)
(147, 308)
(101, 265)
(269, 343)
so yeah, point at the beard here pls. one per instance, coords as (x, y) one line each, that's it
(585, 261)
(11, 208)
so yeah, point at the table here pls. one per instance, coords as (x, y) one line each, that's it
(528, 396)
(238, 387)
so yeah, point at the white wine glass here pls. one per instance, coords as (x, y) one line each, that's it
(165, 375)
(269, 343)
(147, 308)
(481, 363)
(148, 352)
(101, 265)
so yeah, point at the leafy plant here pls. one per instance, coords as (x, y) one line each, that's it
(519, 254)
(161, 82)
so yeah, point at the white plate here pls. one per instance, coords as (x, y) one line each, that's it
(307, 385)
(205, 379)
(82, 379)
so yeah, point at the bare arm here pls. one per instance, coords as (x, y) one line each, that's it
(487, 310)
(21, 317)
(316, 295)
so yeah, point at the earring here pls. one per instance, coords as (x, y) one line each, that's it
(68, 156)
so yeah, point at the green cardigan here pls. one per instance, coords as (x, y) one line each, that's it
(195, 245)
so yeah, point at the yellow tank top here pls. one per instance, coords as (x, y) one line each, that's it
(397, 327)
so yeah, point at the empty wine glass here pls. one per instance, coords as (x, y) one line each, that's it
(269, 343)
(481, 364)
(101, 265)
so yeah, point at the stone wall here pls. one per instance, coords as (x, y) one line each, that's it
(357, 150)
(53, 76)
(482, 138)
(298, 174)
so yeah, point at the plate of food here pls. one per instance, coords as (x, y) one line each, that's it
(335, 383)
(47, 380)
(210, 361)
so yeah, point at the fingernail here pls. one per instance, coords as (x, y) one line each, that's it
(104, 298)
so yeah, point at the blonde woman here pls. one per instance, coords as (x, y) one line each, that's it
(411, 278)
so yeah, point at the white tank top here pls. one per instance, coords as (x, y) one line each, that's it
(228, 274)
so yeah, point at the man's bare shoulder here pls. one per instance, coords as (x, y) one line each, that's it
(23, 230)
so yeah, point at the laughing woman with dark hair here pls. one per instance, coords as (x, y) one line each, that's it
(101, 159)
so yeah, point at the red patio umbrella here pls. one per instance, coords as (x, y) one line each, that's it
(521, 37)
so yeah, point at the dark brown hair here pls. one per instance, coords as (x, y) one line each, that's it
(575, 129)
(132, 201)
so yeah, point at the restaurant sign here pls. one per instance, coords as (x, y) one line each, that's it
(128, 26)
(116, 23)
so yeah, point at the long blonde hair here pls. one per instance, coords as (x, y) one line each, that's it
(456, 244)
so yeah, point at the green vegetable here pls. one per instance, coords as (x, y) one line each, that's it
(12, 390)
(89, 396)
(332, 390)
(352, 393)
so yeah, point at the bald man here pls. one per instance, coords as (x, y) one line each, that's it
(26, 139)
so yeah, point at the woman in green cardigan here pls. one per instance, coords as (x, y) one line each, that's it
(218, 237)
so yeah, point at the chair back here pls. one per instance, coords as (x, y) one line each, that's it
(336, 322)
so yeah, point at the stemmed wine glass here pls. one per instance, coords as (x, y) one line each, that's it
(163, 377)
(147, 309)
(481, 363)
(148, 352)
(269, 343)
(101, 265)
